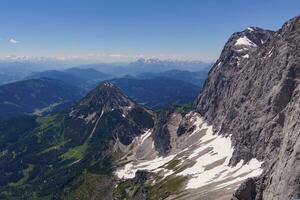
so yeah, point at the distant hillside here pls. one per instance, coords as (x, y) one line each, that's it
(57, 75)
(85, 79)
(5, 78)
(157, 92)
(87, 74)
(35, 95)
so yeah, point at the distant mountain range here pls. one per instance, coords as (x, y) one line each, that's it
(157, 65)
(152, 89)
(149, 65)
(16, 69)
(196, 78)
(44, 95)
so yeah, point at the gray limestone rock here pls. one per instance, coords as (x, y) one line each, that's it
(253, 94)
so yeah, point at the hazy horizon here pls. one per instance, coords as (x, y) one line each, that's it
(118, 31)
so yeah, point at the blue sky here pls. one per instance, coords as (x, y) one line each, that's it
(121, 30)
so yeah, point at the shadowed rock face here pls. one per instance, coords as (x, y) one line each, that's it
(253, 93)
(246, 191)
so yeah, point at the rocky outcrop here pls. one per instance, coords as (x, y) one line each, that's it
(161, 136)
(139, 180)
(247, 191)
(253, 94)
(167, 124)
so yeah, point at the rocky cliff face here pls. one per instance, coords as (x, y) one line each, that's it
(253, 94)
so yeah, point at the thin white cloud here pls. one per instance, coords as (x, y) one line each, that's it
(13, 41)
(119, 56)
(126, 56)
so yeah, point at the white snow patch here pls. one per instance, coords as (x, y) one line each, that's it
(251, 169)
(270, 53)
(221, 148)
(250, 29)
(71, 114)
(168, 173)
(241, 50)
(108, 84)
(246, 56)
(152, 165)
(153, 146)
(145, 136)
(244, 41)
(191, 113)
(81, 117)
(238, 61)
(221, 145)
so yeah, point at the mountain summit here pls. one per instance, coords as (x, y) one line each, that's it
(106, 97)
